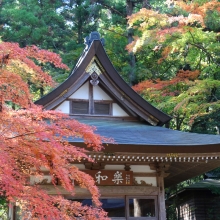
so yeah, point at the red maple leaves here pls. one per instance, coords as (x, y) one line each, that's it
(32, 139)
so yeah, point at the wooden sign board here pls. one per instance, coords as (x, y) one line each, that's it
(111, 177)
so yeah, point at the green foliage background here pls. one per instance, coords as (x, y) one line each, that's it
(61, 26)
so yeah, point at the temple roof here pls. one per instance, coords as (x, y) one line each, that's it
(139, 133)
(95, 59)
(204, 184)
(186, 154)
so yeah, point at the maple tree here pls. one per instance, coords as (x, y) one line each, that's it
(32, 138)
(187, 99)
(180, 66)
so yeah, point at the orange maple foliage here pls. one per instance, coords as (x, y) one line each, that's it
(188, 74)
(195, 8)
(164, 85)
(155, 26)
(32, 138)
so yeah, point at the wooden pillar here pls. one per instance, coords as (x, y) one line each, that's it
(11, 211)
(161, 198)
(161, 174)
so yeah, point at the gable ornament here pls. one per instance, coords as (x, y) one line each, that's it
(94, 79)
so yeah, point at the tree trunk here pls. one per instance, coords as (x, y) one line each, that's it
(132, 61)
(145, 4)
(41, 91)
(79, 22)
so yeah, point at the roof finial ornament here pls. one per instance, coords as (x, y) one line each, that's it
(93, 36)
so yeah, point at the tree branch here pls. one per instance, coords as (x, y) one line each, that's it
(209, 56)
(23, 135)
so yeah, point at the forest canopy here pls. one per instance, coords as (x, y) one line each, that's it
(181, 45)
(169, 51)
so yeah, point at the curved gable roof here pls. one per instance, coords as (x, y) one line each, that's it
(110, 79)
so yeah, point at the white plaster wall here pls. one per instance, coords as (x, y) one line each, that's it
(64, 107)
(114, 167)
(38, 179)
(80, 166)
(82, 92)
(141, 169)
(134, 168)
(107, 167)
(118, 111)
(99, 94)
(148, 180)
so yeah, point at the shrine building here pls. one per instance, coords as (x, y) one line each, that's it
(146, 157)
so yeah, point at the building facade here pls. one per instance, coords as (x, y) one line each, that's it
(132, 172)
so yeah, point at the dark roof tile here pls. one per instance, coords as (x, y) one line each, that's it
(137, 133)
